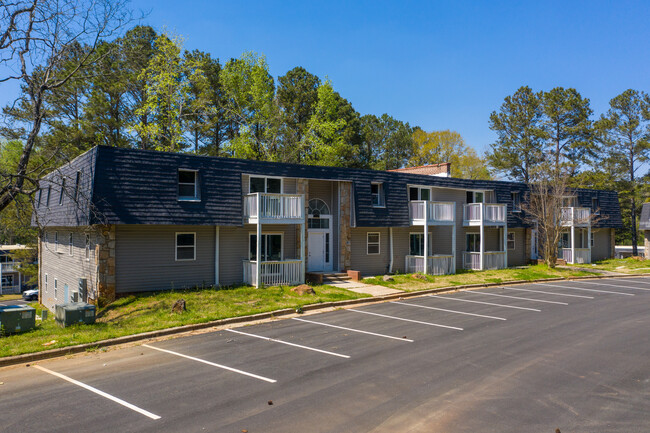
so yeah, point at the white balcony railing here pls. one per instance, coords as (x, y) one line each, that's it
(436, 212)
(582, 255)
(274, 206)
(275, 273)
(577, 216)
(482, 213)
(10, 290)
(492, 260)
(436, 265)
(8, 267)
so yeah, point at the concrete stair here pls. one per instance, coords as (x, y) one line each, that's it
(335, 277)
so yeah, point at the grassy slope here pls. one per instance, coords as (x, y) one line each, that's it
(627, 266)
(409, 283)
(10, 297)
(133, 315)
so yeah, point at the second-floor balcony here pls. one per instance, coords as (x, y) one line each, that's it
(576, 216)
(274, 208)
(476, 214)
(431, 212)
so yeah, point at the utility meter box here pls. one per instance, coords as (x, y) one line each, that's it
(75, 312)
(17, 318)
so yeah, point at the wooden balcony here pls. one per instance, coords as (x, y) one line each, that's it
(491, 259)
(436, 265)
(576, 216)
(274, 273)
(476, 214)
(274, 208)
(431, 212)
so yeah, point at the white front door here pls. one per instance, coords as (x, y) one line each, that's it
(316, 251)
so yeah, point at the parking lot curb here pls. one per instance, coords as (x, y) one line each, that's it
(63, 351)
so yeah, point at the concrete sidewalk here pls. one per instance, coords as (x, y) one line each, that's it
(370, 289)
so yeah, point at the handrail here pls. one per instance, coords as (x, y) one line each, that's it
(274, 206)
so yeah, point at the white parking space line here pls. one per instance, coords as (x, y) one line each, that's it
(448, 298)
(234, 370)
(613, 285)
(275, 340)
(517, 297)
(98, 392)
(406, 320)
(586, 290)
(449, 311)
(548, 293)
(353, 330)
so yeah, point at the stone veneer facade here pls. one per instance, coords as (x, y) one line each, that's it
(345, 210)
(105, 260)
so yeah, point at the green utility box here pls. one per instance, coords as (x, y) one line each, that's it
(17, 318)
(75, 312)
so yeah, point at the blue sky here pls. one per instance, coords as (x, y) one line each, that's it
(436, 64)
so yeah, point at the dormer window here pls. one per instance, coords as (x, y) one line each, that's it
(377, 193)
(595, 205)
(516, 201)
(62, 190)
(188, 185)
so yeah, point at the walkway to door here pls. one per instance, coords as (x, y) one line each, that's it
(371, 289)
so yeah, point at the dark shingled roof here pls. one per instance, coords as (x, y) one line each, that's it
(644, 221)
(127, 186)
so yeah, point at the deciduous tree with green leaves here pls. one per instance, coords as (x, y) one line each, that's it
(387, 142)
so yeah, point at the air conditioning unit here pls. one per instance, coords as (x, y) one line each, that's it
(17, 318)
(72, 313)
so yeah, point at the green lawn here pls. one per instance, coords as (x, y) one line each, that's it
(409, 282)
(10, 297)
(627, 266)
(133, 315)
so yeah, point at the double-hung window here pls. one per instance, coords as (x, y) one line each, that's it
(185, 246)
(511, 240)
(272, 185)
(77, 183)
(373, 242)
(56, 242)
(416, 244)
(49, 193)
(70, 244)
(188, 185)
(62, 191)
(87, 251)
(475, 196)
(595, 206)
(56, 289)
(377, 193)
(271, 247)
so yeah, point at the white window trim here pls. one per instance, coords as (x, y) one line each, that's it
(56, 241)
(420, 188)
(266, 186)
(597, 210)
(56, 289)
(45, 283)
(421, 233)
(62, 192)
(196, 197)
(185, 246)
(381, 194)
(514, 241)
(251, 234)
(87, 248)
(591, 240)
(71, 244)
(378, 243)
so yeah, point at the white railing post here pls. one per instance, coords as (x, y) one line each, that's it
(573, 240)
(453, 240)
(258, 257)
(426, 237)
(302, 252)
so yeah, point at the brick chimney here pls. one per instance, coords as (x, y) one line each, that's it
(441, 170)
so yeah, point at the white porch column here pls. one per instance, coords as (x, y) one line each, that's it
(589, 240)
(573, 240)
(481, 250)
(453, 243)
(426, 238)
(505, 245)
(302, 252)
(258, 247)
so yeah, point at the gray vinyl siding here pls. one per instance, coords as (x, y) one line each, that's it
(401, 247)
(233, 247)
(602, 245)
(64, 268)
(146, 258)
(517, 257)
(369, 264)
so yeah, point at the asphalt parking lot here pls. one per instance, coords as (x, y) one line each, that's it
(526, 358)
